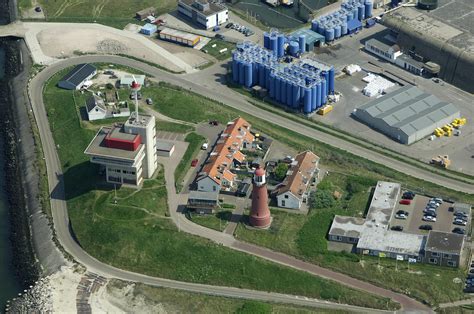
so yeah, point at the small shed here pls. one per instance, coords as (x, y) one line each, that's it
(165, 149)
(96, 108)
(148, 29)
(143, 14)
(313, 39)
(127, 79)
(203, 202)
(354, 26)
(78, 76)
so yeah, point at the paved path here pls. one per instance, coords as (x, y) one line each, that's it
(236, 216)
(457, 303)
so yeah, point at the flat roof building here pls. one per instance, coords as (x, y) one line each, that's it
(443, 248)
(164, 148)
(127, 79)
(127, 152)
(203, 202)
(407, 114)
(78, 76)
(204, 13)
(313, 39)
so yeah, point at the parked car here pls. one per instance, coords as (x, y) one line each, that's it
(38, 9)
(429, 218)
(205, 146)
(437, 200)
(433, 203)
(229, 25)
(401, 216)
(431, 208)
(426, 227)
(402, 212)
(459, 222)
(429, 213)
(461, 215)
(214, 122)
(459, 231)
(149, 101)
(408, 195)
(405, 202)
(194, 163)
(397, 228)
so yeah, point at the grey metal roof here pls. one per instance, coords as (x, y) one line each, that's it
(378, 44)
(166, 146)
(95, 101)
(198, 195)
(409, 109)
(311, 36)
(444, 242)
(80, 72)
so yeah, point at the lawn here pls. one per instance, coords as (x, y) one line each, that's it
(195, 142)
(173, 127)
(129, 229)
(177, 301)
(219, 45)
(217, 221)
(113, 13)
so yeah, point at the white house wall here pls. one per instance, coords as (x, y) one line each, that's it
(291, 202)
(206, 184)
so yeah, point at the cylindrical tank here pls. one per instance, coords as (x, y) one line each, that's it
(326, 77)
(314, 26)
(361, 12)
(368, 8)
(295, 95)
(235, 71)
(355, 13)
(307, 100)
(248, 74)
(331, 81)
(337, 31)
(280, 43)
(254, 73)
(323, 92)
(274, 44)
(314, 94)
(329, 34)
(302, 43)
(283, 91)
(266, 40)
(289, 94)
(344, 28)
(271, 88)
(294, 47)
(428, 4)
(318, 95)
(267, 77)
(241, 73)
(277, 88)
(261, 75)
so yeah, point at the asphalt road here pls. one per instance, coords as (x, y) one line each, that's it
(61, 220)
(64, 233)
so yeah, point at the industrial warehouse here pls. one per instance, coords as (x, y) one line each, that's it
(407, 114)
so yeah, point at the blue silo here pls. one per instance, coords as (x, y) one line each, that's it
(241, 73)
(314, 95)
(337, 31)
(343, 28)
(294, 47)
(302, 43)
(295, 95)
(289, 94)
(248, 74)
(307, 100)
(281, 44)
(314, 26)
(355, 13)
(267, 77)
(261, 75)
(266, 40)
(331, 81)
(277, 88)
(254, 73)
(360, 12)
(329, 34)
(274, 44)
(323, 92)
(271, 88)
(368, 8)
(318, 95)
(235, 70)
(283, 90)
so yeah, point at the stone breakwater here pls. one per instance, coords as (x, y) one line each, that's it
(36, 299)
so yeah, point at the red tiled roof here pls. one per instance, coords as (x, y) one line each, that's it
(300, 174)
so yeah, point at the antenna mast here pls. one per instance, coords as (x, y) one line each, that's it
(135, 87)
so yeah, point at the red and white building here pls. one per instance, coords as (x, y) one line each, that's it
(216, 173)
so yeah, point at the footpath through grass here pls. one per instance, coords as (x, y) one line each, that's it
(129, 229)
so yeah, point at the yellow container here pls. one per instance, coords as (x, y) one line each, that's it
(324, 110)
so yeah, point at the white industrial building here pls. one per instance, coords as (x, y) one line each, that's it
(126, 152)
(78, 76)
(407, 114)
(204, 13)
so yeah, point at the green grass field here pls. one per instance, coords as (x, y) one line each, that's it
(173, 127)
(113, 13)
(129, 229)
(195, 142)
(177, 301)
(217, 221)
(215, 51)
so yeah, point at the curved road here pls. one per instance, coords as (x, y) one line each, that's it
(61, 220)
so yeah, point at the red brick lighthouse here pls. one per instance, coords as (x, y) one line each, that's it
(260, 214)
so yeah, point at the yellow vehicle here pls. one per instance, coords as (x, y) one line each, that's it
(324, 110)
(455, 124)
(447, 128)
(438, 132)
(441, 161)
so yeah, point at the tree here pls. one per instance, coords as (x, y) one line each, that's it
(322, 199)
(280, 171)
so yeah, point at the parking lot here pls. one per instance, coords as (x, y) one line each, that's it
(170, 136)
(444, 218)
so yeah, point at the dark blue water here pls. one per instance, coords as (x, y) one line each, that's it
(9, 285)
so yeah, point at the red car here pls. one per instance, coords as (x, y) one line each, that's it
(405, 202)
(194, 163)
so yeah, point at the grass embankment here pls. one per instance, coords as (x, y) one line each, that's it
(195, 142)
(112, 13)
(173, 127)
(306, 237)
(166, 299)
(134, 234)
(217, 221)
(219, 45)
